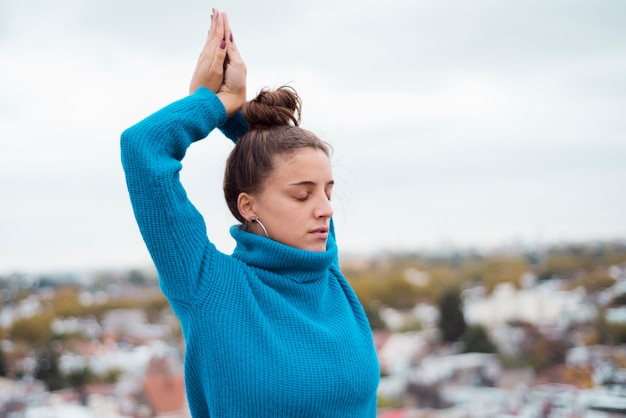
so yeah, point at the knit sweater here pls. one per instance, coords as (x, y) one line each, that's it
(271, 330)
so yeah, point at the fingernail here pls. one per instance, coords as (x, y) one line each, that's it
(231, 37)
(223, 45)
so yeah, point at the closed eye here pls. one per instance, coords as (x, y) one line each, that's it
(303, 198)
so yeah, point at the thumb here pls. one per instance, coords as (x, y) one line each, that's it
(232, 52)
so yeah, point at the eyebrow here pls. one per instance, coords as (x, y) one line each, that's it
(311, 183)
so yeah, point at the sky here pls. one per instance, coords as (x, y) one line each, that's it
(455, 124)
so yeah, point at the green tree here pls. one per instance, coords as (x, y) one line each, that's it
(619, 300)
(34, 330)
(66, 303)
(617, 333)
(47, 369)
(476, 340)
(372, 311)
(396, 292)
(3, 369)
(451, 320)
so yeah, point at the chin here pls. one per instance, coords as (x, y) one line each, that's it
(318, 248)
(312, 245)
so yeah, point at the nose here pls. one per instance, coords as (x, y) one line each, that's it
(323, 209)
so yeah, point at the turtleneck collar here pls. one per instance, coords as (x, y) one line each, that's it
(264, 253)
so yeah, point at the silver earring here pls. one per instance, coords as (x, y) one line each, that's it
(261, 225)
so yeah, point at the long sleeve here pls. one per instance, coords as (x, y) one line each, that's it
(172, 228)
(235, 127)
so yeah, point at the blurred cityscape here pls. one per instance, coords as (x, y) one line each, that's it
(509, 333)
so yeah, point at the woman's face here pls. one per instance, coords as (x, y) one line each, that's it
(294, 204)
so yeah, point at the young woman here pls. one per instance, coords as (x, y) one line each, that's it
(273, 330)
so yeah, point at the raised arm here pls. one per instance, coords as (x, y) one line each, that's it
(152, 151)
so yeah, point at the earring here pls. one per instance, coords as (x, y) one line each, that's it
(261, 225)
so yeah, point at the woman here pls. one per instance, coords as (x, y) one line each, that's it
(273, 330)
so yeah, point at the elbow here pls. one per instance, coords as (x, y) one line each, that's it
(129, 140)
(131, 149)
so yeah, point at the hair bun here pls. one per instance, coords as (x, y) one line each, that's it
(271, 108)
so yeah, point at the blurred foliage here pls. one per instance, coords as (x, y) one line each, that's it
(386, 280)
(476, 340)
(34, 330)
(568, 260)
(607, 332)
(495, 269)
(619, 300)
(62, 297)
(47, 369)
(3, 365)
(617, 333)
(536, 350)
(372, 312)
(389, 403)
(452, 324)
(592, 281)
(65, 302)
(410, 326)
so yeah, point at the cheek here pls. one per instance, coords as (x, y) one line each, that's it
(280, 208)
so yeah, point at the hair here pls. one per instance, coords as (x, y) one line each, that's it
(273, 119)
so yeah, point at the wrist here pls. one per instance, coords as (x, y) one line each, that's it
(232, 103)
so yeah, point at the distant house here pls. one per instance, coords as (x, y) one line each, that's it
(15, 395)
(616, 315)
(542, 304)
(468, 369)
(164, 391)
(400, 350)
(132, 325)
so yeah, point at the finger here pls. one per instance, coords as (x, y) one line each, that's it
(219, 27)
(232, 53)
(228, 35)
(216, 67)
(214, 15)
(216, 34)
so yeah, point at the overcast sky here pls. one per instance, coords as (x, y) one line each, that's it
(454, 123)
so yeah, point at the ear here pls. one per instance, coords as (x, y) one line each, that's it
(245, 205)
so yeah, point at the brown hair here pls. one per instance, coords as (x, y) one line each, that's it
(273, 119)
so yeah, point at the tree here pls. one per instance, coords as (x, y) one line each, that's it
(34, 330)
(451, 320)
(540, 351)
(47, 369)
(372, 311)
(3, 369)
(476, 340)
(396, 292)
(66, 303)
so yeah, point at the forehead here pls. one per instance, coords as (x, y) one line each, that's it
(302, 165)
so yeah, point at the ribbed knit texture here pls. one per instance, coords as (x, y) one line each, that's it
(271, 330)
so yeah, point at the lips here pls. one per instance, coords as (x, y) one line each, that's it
(321, 232)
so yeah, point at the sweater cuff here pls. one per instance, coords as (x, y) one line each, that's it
(234, 127)
(210, 99)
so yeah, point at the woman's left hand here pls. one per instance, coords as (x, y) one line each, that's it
(209, 71)
(232, 93)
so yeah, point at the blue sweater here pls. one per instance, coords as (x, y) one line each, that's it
(271, 330)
